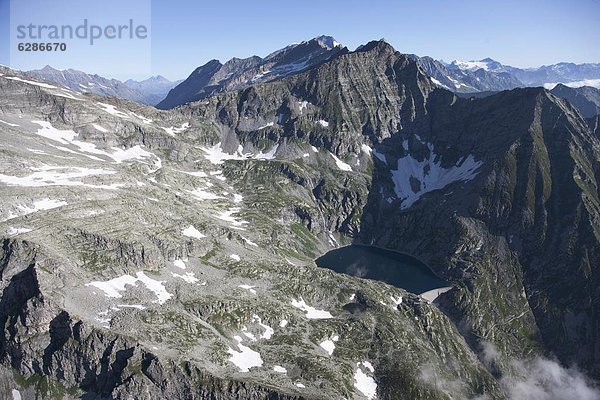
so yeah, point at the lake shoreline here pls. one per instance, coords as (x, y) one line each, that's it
(389, 266)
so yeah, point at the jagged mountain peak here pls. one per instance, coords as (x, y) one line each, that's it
(49, 70)
(48, 67)
(157, 78)
(325, 41)
(375, 44)
(214, 77)
(488, 59)
(585, 99)
(214, 63)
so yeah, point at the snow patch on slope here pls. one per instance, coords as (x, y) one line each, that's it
(17, 231)
(340, 164)
(245, 358)
(248, 288)
(192, 232)
(113, 287)
(44, 85)
(8, 123)
(112, 110)
(173, 131)
(311, 312)
(58, 176)
(279, 369)
(41, 205)
(216, 155)
(67, 136)
(413, 178)
(363, 381)
(227, 216)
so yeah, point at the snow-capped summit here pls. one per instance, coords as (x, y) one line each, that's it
(487, 64)
(327, 42)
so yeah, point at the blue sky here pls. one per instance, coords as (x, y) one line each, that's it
(186, 34)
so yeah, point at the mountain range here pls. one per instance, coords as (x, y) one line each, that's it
(155, 254)
(150, 91)
(479, 76)
(459, 76)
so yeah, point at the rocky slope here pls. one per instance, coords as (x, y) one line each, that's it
(170, 253)
(594, 124)
(585, 99)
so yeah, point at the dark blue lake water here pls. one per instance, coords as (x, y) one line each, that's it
(387, 266)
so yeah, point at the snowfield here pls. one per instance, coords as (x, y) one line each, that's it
(67, 137)
(413, 178)
(114, 287)
(245, 358)
(58, 176)
(340, 164)
(192, 232)
(363, 382)
(216, 155)
(311, 312)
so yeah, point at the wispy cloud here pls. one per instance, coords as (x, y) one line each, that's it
(534, 379)
(541, 379)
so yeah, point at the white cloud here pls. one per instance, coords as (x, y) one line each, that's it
(533, 379)
(542, 379)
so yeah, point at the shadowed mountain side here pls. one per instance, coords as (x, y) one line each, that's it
(500, 237)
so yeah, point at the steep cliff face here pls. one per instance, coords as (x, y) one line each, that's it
(507, 237)
(585, 99)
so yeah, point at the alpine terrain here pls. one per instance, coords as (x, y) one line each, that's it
(152, 254)
(150, 91)
(489, 75)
